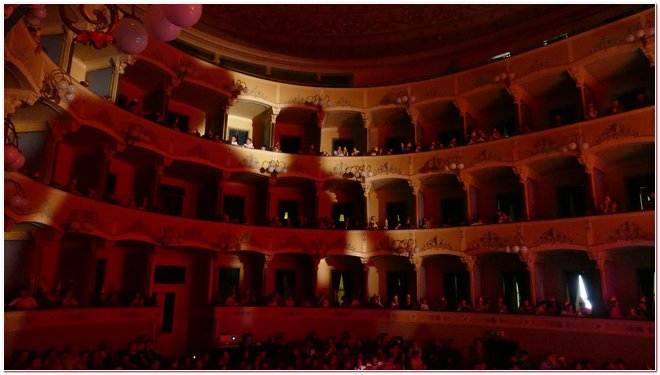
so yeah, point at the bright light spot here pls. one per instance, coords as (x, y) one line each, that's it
(582, 292)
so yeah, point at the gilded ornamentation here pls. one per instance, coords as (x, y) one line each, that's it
(250, 162)
(387, 168)
(171, 236)
(339, 169)
(437, 243)
(137, 227)
(15, 99)
(341, 102)
(137, 133)
(199, 152)
(552, 236)
(193, 234)
(293, 242)
(629, 231)
(256, 92)
(489, 240)
(544, 145)
(537, 66)
(604, 43)
(486, 156)
(227, 243)
(83, 220)
(616, 131)
(341, 244)
(297, 100)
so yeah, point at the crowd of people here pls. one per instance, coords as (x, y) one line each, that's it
(341, 352)
(63, 298)
(547, 307)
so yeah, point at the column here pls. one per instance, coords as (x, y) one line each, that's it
(221, 180)
(530, 262)
(150, 268)
(317, 202)
(267, 285)
(522, 171)
(66, 52)
(108, 155)
(588, 161)
(47, 245)
(605, 266)
(167, 92)
(55, 136)
(466, 180)
(416, 119)
(470, 264)
(159, 169)
(367, 120)
(323, 278)
(213, 278)
(90, 268)
(416, 186)
(118, 64)
(366, 191)
(273, 120)
(419, 276)
(366, 267)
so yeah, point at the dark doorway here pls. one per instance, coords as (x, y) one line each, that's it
(241, 135)
(397, 213)
(346, 283)
(398, 284)
(452, 211)
(228, 279)
(511, 204)
(111, 184)
(394, 144)
(168, 312)
(183, 120)
(342, 142)
(172, 198)
(99, 276)
(291, 144)
(646, 280)
(515, 288)
(234, 207)
(570, 200)
(341, 212)
(288, 211)
(639, 192)
(457, 287)
(445, 137)
(285, 283)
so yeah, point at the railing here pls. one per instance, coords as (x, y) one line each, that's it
(73, 213)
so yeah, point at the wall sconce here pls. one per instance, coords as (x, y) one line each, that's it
(575, 142)
(14, 158)
(274, 168)
(454, 164)
(643, 34)
(359, 172)
(238, 87)
(17, 201)
(405, 98)
(518, 245)
(506, 76)
(318, 101)
(406, 247)
(57, 85)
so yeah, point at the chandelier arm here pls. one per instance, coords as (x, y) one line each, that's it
(68, 22)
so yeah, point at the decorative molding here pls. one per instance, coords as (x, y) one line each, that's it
(293, 242)
(250, 162)
(629, 231)
(489, 240)
(543, 146)
(437, 243)
(616, 131)
(193, 234)
(16, 98)
(386, 168)
(83, 220)
(537, 66)
(339, 169)
(257, 93)
(553, 236)
(297, 100)
(341, 102)
(227, 243)
(341, 244)
(171, 236)
(604, 43)
(199, 152)
(486, 156)
(137, 227)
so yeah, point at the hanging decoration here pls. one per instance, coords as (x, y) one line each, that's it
(14, 158)
(103, 22)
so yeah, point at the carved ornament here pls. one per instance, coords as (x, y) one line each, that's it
(489, 240)
(437, 243)
(553, 236)
(543, 146)
(629, 231)
(616, 131)
(486, 156)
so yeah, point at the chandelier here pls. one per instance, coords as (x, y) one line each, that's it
(57, 85)
(274, 168)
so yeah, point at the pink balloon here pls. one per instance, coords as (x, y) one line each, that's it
(13, 158)
(16, 201)
(184, 15)
(16, 163)
(130, 36)
(158, 26)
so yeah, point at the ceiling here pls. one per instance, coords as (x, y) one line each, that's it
(368, 31)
